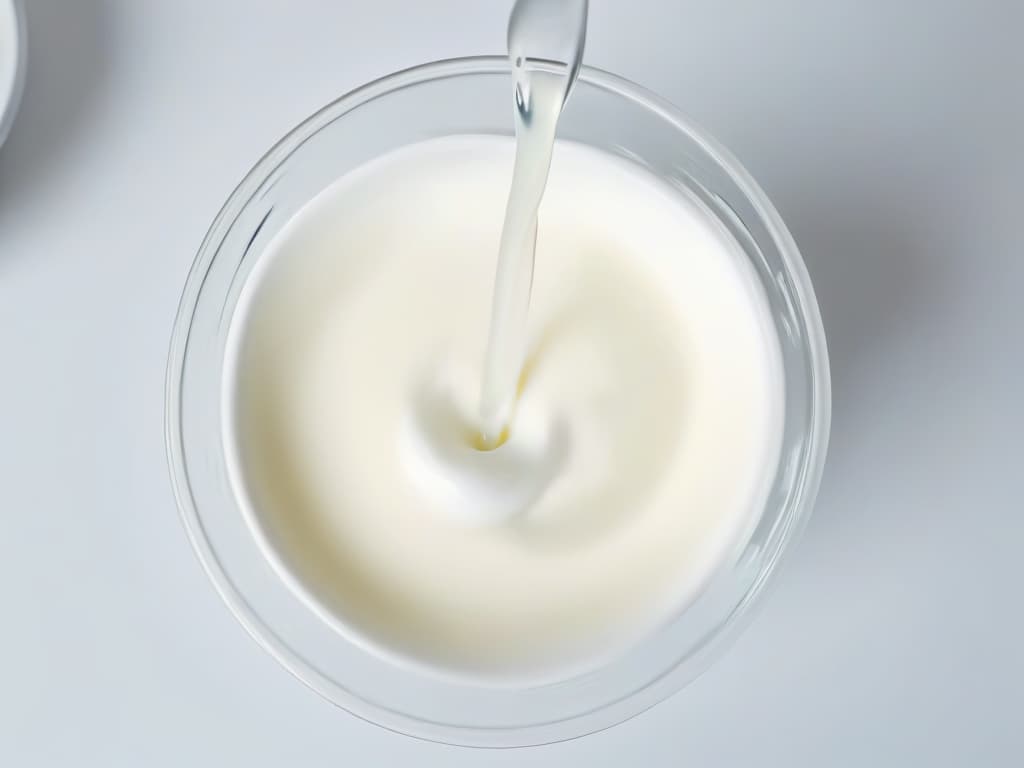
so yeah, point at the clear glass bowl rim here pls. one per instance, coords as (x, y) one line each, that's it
(9, 110)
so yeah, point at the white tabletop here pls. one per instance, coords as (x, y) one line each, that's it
(889, 136)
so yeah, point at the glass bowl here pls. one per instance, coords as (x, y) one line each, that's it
(471, 96)
(12, 62)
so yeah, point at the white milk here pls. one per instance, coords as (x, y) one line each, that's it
(644, 438)
(538, 104)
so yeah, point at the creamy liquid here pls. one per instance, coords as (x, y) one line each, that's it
(647, 427)
(538, 96)
(538, 104)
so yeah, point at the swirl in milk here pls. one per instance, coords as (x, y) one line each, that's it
(647, 426)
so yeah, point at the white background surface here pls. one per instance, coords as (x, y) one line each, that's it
(888, 134)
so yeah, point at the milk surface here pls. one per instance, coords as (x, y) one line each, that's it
(645, 435)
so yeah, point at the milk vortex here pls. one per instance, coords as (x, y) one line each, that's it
(645, 436)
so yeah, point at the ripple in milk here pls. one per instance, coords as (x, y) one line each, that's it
(650, 345)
